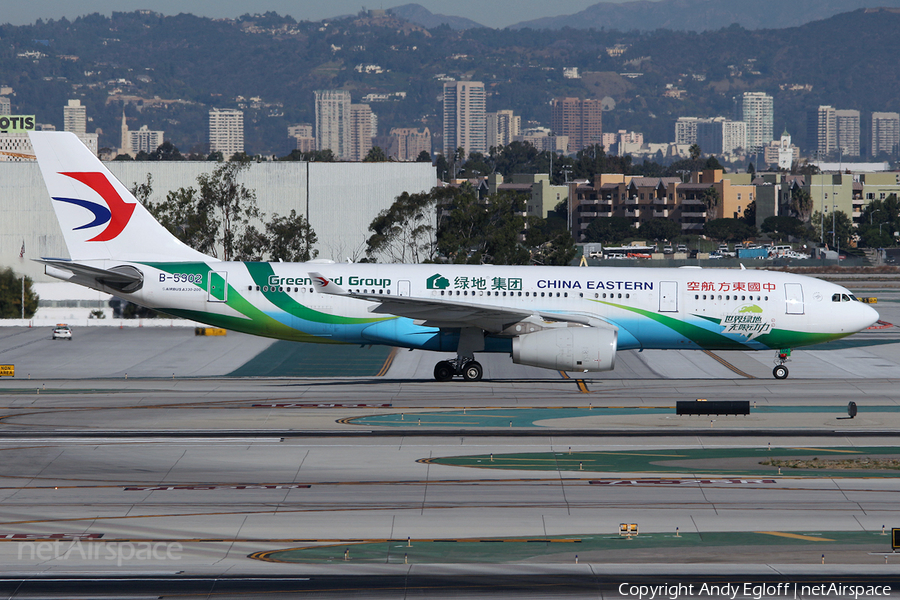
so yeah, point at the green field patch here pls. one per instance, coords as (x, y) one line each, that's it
(718, 461)
(528, 417)
(291, 359)
(503, 550)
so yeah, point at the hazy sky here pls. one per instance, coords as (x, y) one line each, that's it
(493, 13)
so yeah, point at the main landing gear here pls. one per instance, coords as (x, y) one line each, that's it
(780, 371)
(471, 340)
(470, 370)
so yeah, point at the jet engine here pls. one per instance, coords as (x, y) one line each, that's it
(568, 349)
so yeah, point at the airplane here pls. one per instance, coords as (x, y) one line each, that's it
(562, 318)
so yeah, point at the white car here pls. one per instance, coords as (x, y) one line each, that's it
(62, 332)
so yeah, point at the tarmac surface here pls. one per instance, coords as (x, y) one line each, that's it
(146, 463)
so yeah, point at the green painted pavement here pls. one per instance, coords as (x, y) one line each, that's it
(527, 417)
(713, 461)
(291, 359)
(488, 550)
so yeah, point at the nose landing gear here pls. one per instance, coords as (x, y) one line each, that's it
(780, 371)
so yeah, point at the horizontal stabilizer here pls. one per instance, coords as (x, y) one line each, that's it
(123, 279)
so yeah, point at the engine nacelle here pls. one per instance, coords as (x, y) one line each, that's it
(568, 349)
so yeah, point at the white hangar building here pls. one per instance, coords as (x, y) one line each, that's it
(338, 199)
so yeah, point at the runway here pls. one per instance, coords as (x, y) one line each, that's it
(186, 478)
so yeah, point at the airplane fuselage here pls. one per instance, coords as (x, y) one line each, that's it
(686, 308)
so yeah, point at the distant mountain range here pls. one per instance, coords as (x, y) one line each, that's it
(416, 13)
(677, 15)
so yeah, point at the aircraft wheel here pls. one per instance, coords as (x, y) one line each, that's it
(443, 371)
(473, 371)
(780, 372)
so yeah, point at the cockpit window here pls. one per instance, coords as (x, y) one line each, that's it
(854, 298)
(836, 298)
(845, 298)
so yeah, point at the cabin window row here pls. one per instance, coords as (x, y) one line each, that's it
(730, 297)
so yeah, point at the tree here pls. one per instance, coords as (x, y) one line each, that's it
(376, 154)
(609, 230)
(783, 226)
(713, 200)
(313, 156)
(143, 191)
(476, 232)
(837, 222)
(728, 230)
(694, 151)
(214, 217)
(291, 238)
(406, 231)
(801, 203)
(11, 295)
(443, 168)
(235, 205)
(166, 151)
(423, 157)
(557, 252)
(180, 213)
(659, 229)
(749, 216)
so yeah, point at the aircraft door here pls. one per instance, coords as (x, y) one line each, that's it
(668, 296)
(793, 295)
(403, 288)
(218, 286)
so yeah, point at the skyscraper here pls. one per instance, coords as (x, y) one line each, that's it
(721, 136)
(580, 120)
(821, 134)
(847, 131)
(145, 140)
(333, 122)
(75, 120)
(465, 122)
(226, 131)
(885, 133)
(501, 127)
(75, 117)
(686, 130)
(361, 132)
(757, 110)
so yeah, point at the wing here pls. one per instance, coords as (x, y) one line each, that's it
(440, 312)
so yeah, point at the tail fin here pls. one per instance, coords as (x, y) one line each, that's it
(99, 217)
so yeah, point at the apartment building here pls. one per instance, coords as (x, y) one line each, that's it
(303, 137)
(226, 131)
(846, 124)
(465, 119)
(885, 137)
(407, 143)
(333, 122)
(821, 130)
(581, 120)
(640, 199)
(361, 131)
(502, 127)
(721, 135)
(757, 110)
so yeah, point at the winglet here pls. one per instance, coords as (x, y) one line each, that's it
(323, 285)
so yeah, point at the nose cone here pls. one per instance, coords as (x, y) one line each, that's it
(865, 316)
